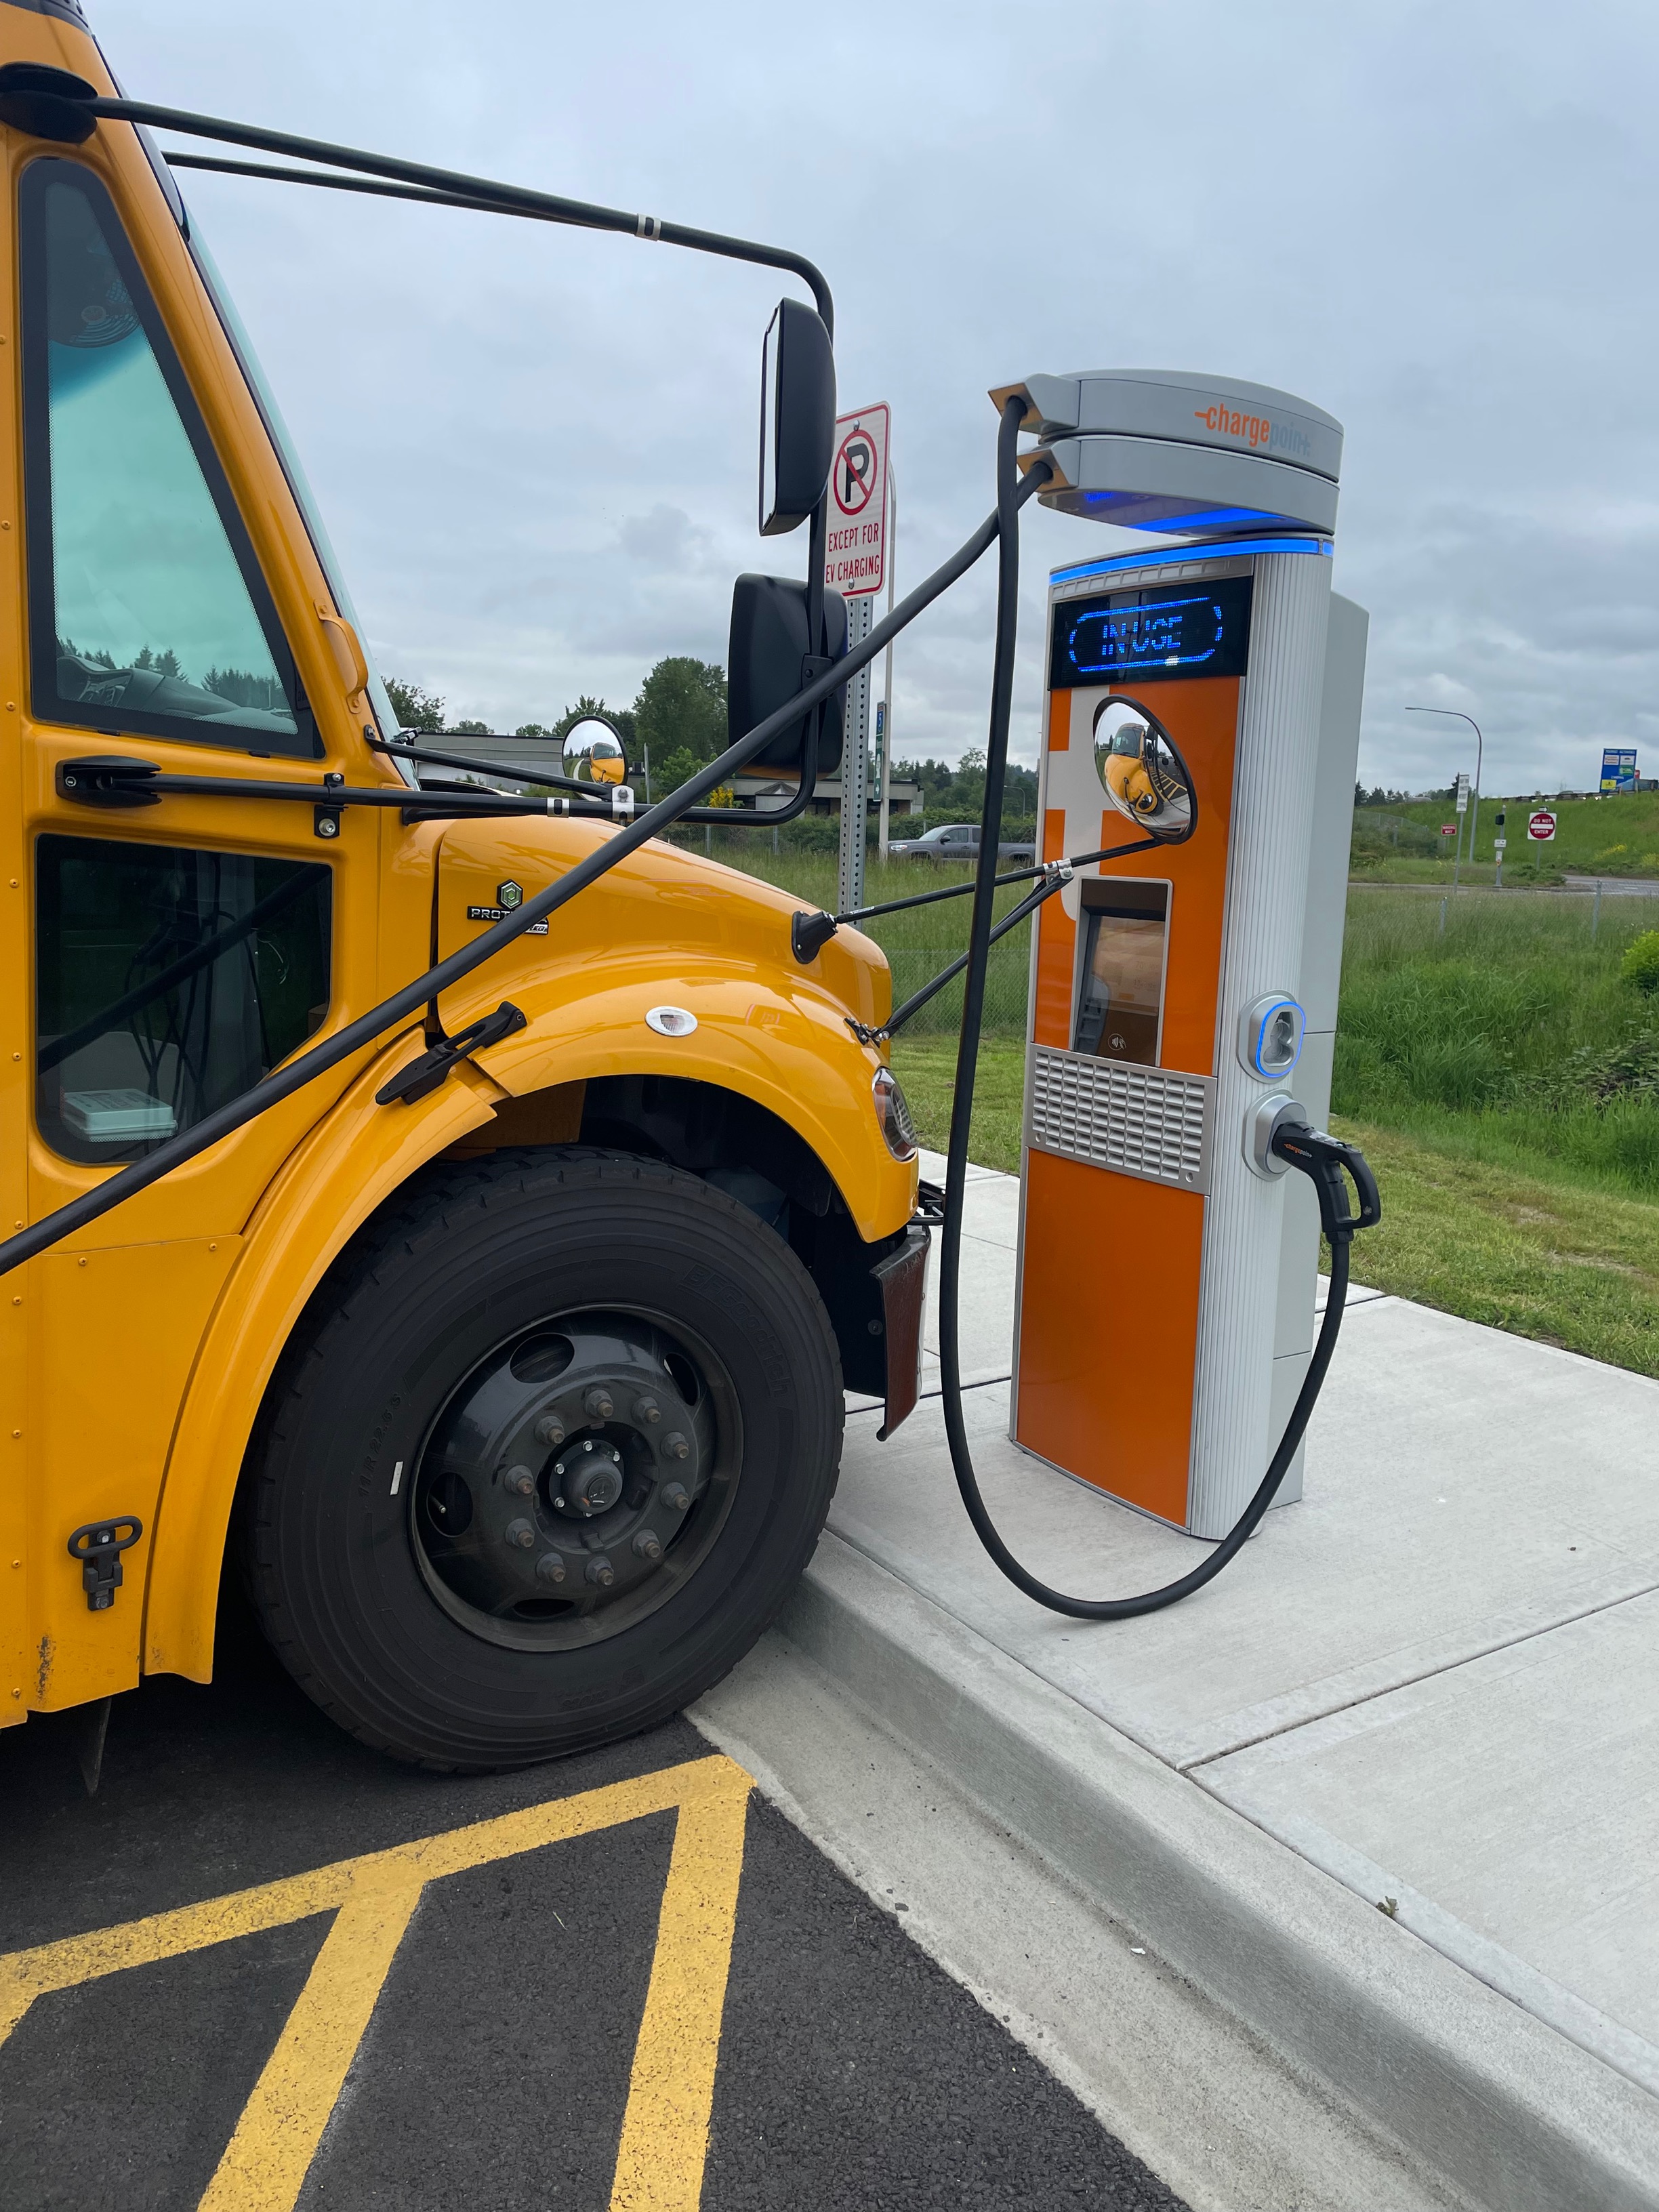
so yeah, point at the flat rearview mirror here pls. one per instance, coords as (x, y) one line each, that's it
(798, 417)
(593, 752)
(1141, 770)
(770, 656)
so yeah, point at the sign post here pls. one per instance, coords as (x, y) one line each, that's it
(1462, 809)
(884, 741)
(855, 565)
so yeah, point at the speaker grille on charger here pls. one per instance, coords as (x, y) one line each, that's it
(1146, 1122)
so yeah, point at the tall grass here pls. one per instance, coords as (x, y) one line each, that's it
(1509, 1038)
(1498, 1035)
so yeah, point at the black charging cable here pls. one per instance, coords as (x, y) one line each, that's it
(1324, 1159)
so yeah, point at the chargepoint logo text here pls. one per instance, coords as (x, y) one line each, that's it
(1256, 431)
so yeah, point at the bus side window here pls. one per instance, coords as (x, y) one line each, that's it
(168, 980)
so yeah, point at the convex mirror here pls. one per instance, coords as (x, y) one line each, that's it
(798, 417)
(1141, 770)
(593, 752)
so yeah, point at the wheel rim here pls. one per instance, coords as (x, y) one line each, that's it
(575, 1478)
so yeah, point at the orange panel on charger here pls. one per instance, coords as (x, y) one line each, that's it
(1112, 1406)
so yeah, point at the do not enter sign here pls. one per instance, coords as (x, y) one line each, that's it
(1541, 825)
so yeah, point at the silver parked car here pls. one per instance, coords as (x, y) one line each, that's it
(957, 840)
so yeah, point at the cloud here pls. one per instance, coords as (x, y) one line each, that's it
(535, 446)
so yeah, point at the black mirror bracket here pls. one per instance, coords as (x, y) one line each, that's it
(809, 933)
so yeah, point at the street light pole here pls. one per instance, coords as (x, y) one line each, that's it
(1454, 714)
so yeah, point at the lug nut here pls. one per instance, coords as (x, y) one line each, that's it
(519, 1480)
(521, 1533)
(648, 1544)
(674, 1446)
(677, 1496)
(601, 1571)
(598, 1402)
(549, 1431)
(646, 1409)
(550, 1568)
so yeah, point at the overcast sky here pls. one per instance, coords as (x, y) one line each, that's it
(534, 448)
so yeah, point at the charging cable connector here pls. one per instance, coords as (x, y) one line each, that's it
(1329, 1163)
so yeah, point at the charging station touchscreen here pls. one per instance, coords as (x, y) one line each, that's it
(1120, 994)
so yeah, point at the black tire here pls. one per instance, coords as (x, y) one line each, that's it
(414, 1637)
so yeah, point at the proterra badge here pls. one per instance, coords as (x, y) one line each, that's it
(509, 896)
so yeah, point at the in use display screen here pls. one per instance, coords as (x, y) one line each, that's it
(1160, 633)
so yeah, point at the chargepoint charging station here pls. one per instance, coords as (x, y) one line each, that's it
(1184, 999)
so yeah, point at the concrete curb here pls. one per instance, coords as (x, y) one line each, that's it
(1509, 2111)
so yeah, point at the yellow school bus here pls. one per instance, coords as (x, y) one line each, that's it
(502, 1358)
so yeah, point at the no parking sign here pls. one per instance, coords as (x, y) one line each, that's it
(855, 551)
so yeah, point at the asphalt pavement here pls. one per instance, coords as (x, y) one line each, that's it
(263, 1966)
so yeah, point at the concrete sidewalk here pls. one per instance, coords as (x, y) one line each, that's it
(1433, 1684)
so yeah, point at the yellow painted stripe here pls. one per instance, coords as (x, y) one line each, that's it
(25, 1975)
(664, 2137)
(264, 2166)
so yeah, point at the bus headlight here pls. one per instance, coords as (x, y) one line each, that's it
(893, 1114)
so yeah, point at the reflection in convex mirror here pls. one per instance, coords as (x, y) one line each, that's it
(593, 752)
(1140, 771)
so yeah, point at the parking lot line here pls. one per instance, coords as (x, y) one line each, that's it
(664, 2131)
(665, 2137)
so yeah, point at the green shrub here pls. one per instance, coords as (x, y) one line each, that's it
(1640, 964)
(1629, 1069)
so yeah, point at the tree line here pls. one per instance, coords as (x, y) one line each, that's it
(679, 717)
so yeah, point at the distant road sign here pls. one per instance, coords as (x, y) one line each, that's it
(855, 551)
(1619, 767)
(1541, 825)
(1448, 829)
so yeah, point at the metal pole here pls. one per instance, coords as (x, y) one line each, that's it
(885, 764)
(647, 774)
(855, 760)
(1456, 715)
(1443, 918)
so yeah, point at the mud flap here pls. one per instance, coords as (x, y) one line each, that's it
(902, 1279)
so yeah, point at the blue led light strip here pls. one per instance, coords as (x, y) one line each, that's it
(1201, 550)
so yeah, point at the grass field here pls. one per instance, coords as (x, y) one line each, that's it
(1502, 1077)
(1614, 836)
